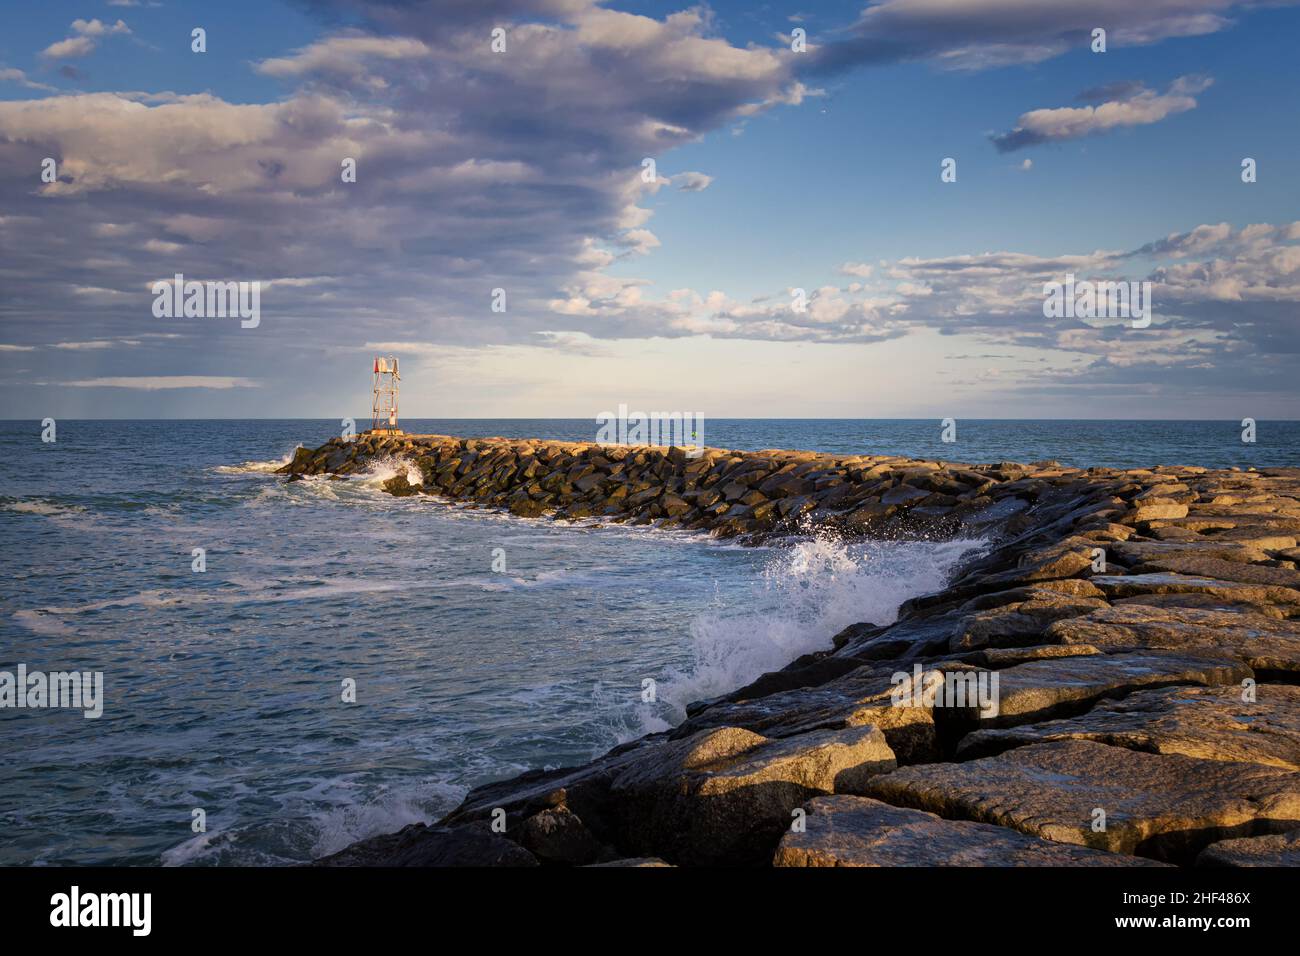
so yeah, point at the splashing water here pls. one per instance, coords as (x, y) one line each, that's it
(807, 593)
(379, 470)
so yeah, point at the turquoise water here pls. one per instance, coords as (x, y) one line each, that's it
(223, 688)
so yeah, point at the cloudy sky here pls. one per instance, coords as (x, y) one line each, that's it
(776, 169)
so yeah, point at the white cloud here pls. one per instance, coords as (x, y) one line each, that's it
(1138, 107)
(88, 32)
(691, 182)
(11, 75)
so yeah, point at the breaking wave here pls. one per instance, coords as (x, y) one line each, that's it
(808, 592)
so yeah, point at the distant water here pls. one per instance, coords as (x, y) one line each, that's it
(1119, 444)
(223, 687)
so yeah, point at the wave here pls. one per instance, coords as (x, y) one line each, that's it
(809, 591)
(379, 470)
(42, 507)
(256, 467)
(324, 818)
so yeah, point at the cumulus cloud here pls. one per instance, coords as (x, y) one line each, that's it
(1224, 300)
(520, 172)
(345, 57)
(88, 32)
(11, 75)
(474, 172)
(976, 34)
(1136, 106)
(692, 182)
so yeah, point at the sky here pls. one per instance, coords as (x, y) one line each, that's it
(736, 209)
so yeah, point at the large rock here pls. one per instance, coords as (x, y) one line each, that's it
(1211, 723)
(557, 835)
(1213, 567)
(1164, 807)
(1171, 583)
(1138, 552)
(863, 697)
(1278, 849)
(421, 845)
(1266, 644)
(1155, 508)
(1054, 686)
(399, 486)
(859, 831)
(1019, 624)
(635, 861)
(724, 796)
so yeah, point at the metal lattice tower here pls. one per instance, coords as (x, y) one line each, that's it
(383, 410)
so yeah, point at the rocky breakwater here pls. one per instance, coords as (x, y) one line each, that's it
(727, 493)
(1139, 630)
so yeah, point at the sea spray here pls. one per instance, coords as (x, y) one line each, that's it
(257, 467)
(379, 470)
(809, 591)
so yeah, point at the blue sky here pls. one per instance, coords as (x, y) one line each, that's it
(778, 170)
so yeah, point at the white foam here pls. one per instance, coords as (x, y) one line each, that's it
(379, 470)
(809, 592)
(47, 508)
(256, 467)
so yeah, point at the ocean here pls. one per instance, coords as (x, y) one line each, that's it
(478, 645)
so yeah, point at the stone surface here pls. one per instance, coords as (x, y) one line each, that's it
(637, 861)
(1164, 807)
(1279, 849)
(1170, 583)
(1265, 643)
(859, 831)
(420, 845)
(557, 835)
(725, 795)
(860, 698)
(1212, 723)
(1046, 688)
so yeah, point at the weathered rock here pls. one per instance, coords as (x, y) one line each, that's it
(1212, 567)
(1045, 688)
(1138, 552)
(1164, 807)
(524, 507)
(421, 845)
(1000, 657)
(1170, 583)
(1278, 849)
(638, 861)
(1157, 508)
(725, 795)
(1210, 723)
(1266, 644)
(556, 835)
(859, 831)
(863, 697)
(399, 486)
(1018, 625)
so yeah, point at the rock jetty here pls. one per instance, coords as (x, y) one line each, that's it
(1141, 628)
